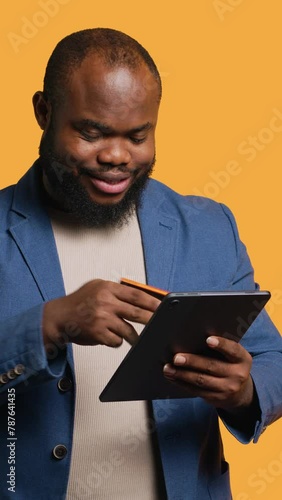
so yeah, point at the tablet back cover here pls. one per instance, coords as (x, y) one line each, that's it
(181, 323)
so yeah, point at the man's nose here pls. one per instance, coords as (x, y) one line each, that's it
(114, 152)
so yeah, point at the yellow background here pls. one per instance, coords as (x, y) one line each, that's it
(221, 63)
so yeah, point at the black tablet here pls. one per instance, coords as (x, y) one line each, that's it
(181, 323)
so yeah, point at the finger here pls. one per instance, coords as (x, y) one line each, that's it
(128, 303)
(118, 330)
(105, 337)
(219, 369)
(133, 313)
(231, 350)
(194, 362)
(202, 384)
(197, 380)
(107, 293)
(126, 331)
(137, 297)
(191, 387)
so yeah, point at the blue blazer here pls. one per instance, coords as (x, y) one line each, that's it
(190, 243)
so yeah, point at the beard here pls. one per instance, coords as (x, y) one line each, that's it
(73, 197)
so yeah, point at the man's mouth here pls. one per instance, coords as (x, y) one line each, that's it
(111, 184)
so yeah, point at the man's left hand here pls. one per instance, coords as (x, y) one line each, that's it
(226, 383)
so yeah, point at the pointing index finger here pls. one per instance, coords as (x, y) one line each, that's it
(138, 298)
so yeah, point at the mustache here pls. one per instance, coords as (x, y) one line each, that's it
(68, 164)
(94, 171)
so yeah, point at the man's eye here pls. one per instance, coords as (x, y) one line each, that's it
(137, 140)
(89, 137)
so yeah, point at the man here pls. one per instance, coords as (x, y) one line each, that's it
(81, 218)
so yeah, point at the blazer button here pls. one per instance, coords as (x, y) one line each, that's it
(60, 451)
(11, 374)
(4, 378)
(64, 384)
(19, 369)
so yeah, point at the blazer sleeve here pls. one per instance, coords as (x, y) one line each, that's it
(23, 359)
(264, 343)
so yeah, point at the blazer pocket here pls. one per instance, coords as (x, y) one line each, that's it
(219, 488)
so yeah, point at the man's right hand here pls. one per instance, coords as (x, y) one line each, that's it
(97, 313)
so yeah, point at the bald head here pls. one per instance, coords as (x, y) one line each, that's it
(114, 48)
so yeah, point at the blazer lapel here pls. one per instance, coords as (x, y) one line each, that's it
(32, 232)
(159, 235)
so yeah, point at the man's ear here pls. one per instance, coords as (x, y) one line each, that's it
(42, 110)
